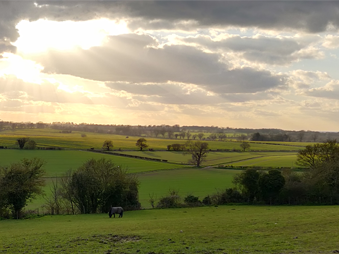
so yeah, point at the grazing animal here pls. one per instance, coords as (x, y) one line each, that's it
(116, 210)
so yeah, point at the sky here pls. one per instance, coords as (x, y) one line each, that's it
(238, 64)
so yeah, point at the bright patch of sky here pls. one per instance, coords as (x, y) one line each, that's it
(40, 35)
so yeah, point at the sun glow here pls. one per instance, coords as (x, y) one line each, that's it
(42, 34)
(24, 69)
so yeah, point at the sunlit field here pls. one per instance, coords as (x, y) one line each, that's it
(223, 229)
(74, 140)
(58, 162)
(266, 159)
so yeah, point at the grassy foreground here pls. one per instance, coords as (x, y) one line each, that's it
(223, 229)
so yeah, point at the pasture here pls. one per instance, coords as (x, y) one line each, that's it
(156, 178)
(58, 162)
(189, 181)
(74, 140)
(266, 159)
(223, 229)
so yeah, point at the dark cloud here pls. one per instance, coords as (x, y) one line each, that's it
(128, 58)
(260, 49)
(310, 16)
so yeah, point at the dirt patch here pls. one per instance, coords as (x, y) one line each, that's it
(110, 238)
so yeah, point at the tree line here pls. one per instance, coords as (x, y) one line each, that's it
(180, 132)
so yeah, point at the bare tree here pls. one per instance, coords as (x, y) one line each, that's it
(198, 150)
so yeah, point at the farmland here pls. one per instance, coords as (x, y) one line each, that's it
(263, 229)
(223, 229)
(155, 177)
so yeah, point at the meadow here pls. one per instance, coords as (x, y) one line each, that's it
(223, 229)
(74, 140)
(261, 159)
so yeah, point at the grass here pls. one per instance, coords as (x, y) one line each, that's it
(197, 182)
(223, 229)
(58, 162)
(50, 137)
(155, 177)
(267, 159)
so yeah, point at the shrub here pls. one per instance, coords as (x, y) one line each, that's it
(30, 145)
(225, 197)
(170, 201)
(191, 200)
(207, 200)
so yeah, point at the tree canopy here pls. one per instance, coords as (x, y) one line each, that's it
(107, 145)
(141, 143)
(19, 183)
(98, 184)
(316, 154)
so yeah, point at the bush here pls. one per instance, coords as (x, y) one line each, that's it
(170, 201)
(228, 196)
(191, 200)
(207, 200)
(30, 145)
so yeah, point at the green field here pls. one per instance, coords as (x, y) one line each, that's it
(51, 137)
(267, 159)
(197, 182)
(156, 178)
(58, 162)
(223, 229)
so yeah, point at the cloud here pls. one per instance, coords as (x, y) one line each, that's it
(131, 58)
(312, 17)
(329, 91)
(331, 41)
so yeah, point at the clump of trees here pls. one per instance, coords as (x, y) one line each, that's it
(95, 187)
(176, 147)
(19, 183)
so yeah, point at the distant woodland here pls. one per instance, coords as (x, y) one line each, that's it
(181, 132)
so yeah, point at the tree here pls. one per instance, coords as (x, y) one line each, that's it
(188, 135)
(314, 136)
(21, 142)
(21, 182)
(318, 154)
(141, 143)
(247, 181)
(198, 150)
(99, 184)
(201, 135)
(270, 185)
(242, 137)
(107, 145)
(300, 135)
(245, 145)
